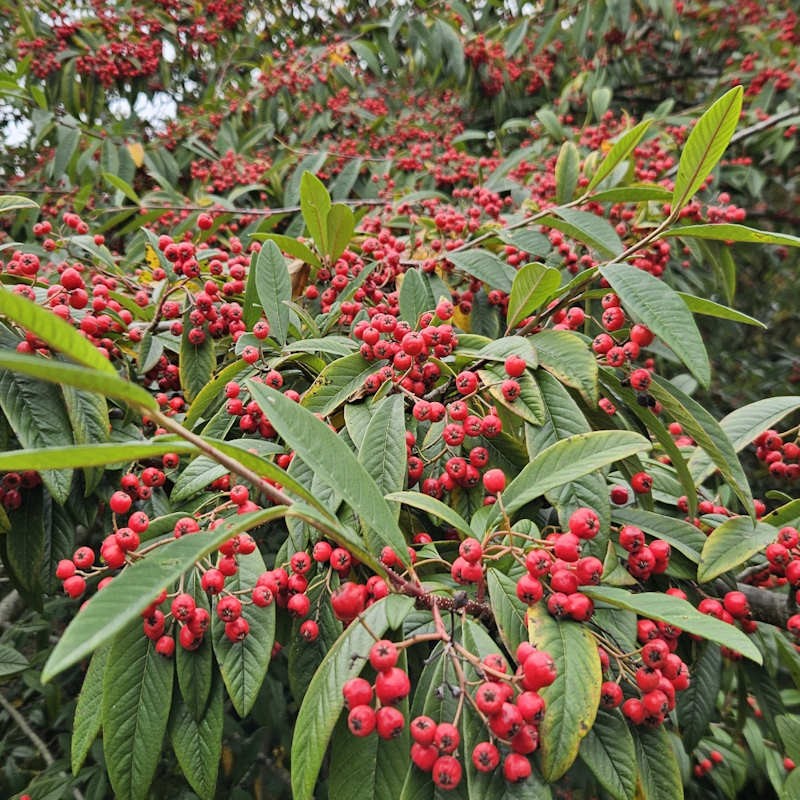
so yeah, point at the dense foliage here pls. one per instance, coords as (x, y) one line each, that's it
(394, 382)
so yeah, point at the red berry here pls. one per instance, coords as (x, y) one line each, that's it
(383, 655)
(514, 366)
(165, 646)
(389, 722)
(447, 737)
(494, 481)
(120, 502)
(539, 670)
(357, 692)
(392, 685)
(423, 730)
(309, 630)
(65, 569)
(446, 772)
(361, 720)
(516, 768)
(485, 757)
(75, 586)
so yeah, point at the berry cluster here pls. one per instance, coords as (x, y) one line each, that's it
(782, 458)
(12, 485)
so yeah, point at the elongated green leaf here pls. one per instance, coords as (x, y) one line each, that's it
(198, 743)
(610, 754)
(742, 426)
(791, 788)
(659, 773)
(337, 383)
(123, 186)
(683, 536)
(566, 174)
(244, 664)
(38, 416)
(678, 613)
(195, 668)
(110, 611)
(89, 455)
(533, 285)
(563, 418)
(697, 704)
(274, 289)
(416, 296)
(335, 465)
(565, 461)
(315, 204)
(60, 335)
(508, 610)
(48, 369)
(436, 508)
(731, 232)
(341, 225)
(137, 692)
(635, 193)
(573, 698)
(485, 266)
(708, 434)
(15, 202)
(212, 391)
(659, 307)
(290, 245)
(11, 661)
(699, 305)
(197, 362)
(323, 701)
(731, 545)
(594, 231)
(567, 358)
(88, 711)
(383, 451)
(68, 138)
(88, 416)
(705, 146)
(620, 150)
(529, 405)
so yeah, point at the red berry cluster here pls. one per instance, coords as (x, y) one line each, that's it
(782, 458)
(509, 706)
(13, 484)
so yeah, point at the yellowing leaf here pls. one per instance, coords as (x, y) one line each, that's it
(136, 152)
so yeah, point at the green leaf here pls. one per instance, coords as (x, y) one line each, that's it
(565, 356)
(683, 536)
(573, 698)
(634, 193)
(212, 391)
(198, 743)
(433, 507)
(11, 661)
(341, 225)
(323, 701)
(731, 232)
(195, 668)
(89, 455)
(15, 202)
(699, 305)
(529, 406)
(705, 146)
(274, 289)
(68, 137)
(708, 434)
(48, 369)
(123, 186)
(122, 601)
(659, 774)
(620, 150)
(60, 335)
(742, 426)
(315, 204)
(659, 307)
(88, 711)
(565, 461)
(731, 545)
(88, 415)
(486, 267)
(337, 383)
(586, 227)
(244, 664)
(290, 245)
(610, 754)
(508, 610)
(678, 613)
(383, 450)
(335, 465)
(137, 692)
(696, 705)
(567, 167)
(38, 416)
(791, 789)
(197, 362)
(533, 285)
(416, 296)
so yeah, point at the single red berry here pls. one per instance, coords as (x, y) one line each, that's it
(389, 722)
(485, 757)
(309, 630)
(610, 695)
(357, 692)
(641, 483)
(392, 685)
(446, 772)
(489, 697)
(299, 605)
(514, 366)
(65, 569)
(237, 630)
(75, 586)
(424, 756)
(516, 768)
(423, 730)
(165, 646)
(383, 655)
(494, 481)
(539, 670)
(447, 738)
(361, 720)
(229, 608)
(83, 557)
(182, 607)
(120, 502)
